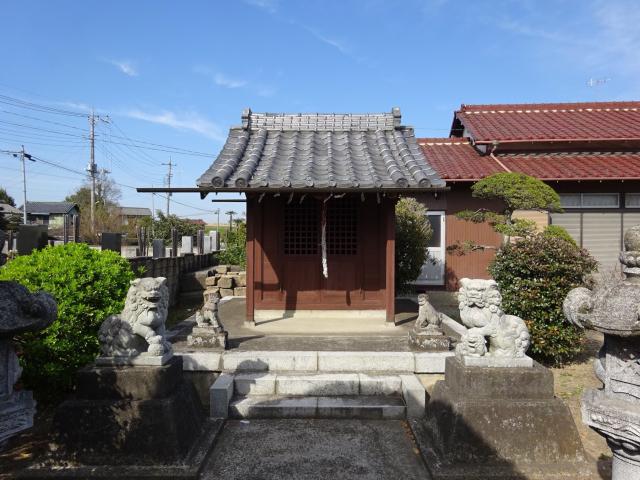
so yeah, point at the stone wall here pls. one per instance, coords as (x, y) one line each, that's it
(172, 269)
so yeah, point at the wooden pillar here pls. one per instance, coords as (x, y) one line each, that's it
(252, 217)
(389, 214)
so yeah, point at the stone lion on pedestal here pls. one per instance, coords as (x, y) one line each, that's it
(140, 328)
(481, 312)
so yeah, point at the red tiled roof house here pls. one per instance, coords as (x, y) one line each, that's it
(588, 152)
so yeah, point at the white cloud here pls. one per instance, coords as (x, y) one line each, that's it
(332, 42)
(270, 6)
(190, 121)
(224, 81)
(125, 66)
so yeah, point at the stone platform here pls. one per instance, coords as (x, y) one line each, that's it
(129, 422)
(499, 423)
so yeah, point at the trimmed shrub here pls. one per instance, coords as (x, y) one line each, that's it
(88, 286)
(413, 232)
(559, 232)
(235, 252)
(535, 274)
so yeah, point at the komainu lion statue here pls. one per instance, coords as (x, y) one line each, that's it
(481, 312)
(140, 328)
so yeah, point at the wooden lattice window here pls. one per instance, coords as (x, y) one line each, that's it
(342, 227)
(301, 228)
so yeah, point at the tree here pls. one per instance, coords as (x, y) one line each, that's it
(8, 221)
(413, 232)
(6, 198)
(235, 252)
(106, 202)
(515, 191)
(162, 226)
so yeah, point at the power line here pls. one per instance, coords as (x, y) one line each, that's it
(37, 107)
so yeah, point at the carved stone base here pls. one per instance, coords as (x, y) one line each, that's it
(420, 340)
(16, 414)
(207, 337)
(489, 361)
(619, 422)
(489, 423)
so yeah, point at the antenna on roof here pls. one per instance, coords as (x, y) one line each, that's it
(596, 82)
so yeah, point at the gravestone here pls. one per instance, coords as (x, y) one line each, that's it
(158, 248)
(215, 240)
(613, 309)
(207, 245)
(31, 237)
(20, 311)
(186, 245)
(111, 241)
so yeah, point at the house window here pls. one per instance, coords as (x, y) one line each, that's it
(590, 200)
(301, 228)
(632, 200)
(342, 227)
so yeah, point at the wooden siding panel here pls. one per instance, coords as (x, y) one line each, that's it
(601, 235)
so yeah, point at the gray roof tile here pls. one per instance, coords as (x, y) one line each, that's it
(324, 151)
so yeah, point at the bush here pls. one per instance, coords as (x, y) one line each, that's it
(88, 286)
(413, 232)
(559, 232)
(235, 252)
(535, 274)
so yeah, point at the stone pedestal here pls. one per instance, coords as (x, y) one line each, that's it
(207, 337)
(492, 422)
(134, 421)
(16, 407)
(427, 341)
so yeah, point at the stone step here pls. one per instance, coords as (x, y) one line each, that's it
(277, 406)
(321, 384)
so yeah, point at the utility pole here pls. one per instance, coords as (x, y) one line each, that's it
(23, 156)
(92, 167)
(169, 175)
(217, 211)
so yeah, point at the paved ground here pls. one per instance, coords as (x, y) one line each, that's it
(315, 449)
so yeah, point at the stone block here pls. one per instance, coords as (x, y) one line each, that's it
(135, 383)
(226, 292)
(266, 406)
(220, 395)
(211, 281)
(366, 362)
(497, 362)
(431, 362)
(380, 384)
(201, 361)
(318, 384)
(490, 423)
(235, 268)
(493, 383)
(221, 268)
(415, 396)
(365, 407)
(241, 279)
(240, 291)
(255, 384)
(420, 340)
(225, 281)
(259, 361)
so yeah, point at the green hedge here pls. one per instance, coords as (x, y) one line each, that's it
(535, 274)
(88, 285)
(413, 232)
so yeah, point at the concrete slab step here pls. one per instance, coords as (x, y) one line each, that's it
(320, 384)
(277, 406)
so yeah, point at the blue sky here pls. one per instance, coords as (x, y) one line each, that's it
(180, 73)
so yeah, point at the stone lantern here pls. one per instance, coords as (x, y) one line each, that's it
(614, 309)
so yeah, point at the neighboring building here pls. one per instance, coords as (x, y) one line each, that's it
(197, 221)
(588, 152)
(131, 215)
(321, 191)
(50, 213)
